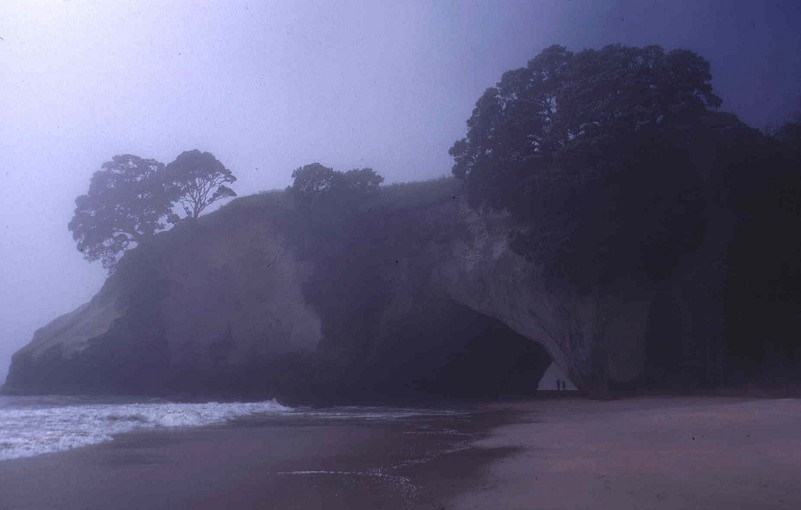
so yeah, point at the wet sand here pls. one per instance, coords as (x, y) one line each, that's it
(283, 463)
(668, 453)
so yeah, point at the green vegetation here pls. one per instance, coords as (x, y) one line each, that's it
(123, 207)
(588, 151)
(196, 180)
(616, 167)
(416, 195)
(617, 171)
(315, 186)
(130, 199)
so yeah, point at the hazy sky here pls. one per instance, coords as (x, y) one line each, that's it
(270, 86)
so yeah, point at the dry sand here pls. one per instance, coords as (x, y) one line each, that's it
(667, 453)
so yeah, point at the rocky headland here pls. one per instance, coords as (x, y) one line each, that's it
(409, 293)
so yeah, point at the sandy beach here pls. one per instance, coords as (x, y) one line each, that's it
(659, 453)
(655, 453)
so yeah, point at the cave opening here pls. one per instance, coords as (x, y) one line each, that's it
(440, 349)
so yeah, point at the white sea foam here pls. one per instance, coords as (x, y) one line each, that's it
(34, 428)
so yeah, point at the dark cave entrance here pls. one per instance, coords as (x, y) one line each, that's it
(442, 349)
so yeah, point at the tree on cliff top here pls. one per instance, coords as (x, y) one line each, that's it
(329, 203)
(125, 205)
(315, 184)
(132, 198)
(588, 151)
(196, 180)
(563, 104)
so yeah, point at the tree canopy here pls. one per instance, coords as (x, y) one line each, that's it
(315, 184)
(125, 204)
(562, 103)
(131, 198)
(330, 205)
(589, 152)
(196, 180)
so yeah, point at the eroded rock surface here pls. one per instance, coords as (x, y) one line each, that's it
(224, 304)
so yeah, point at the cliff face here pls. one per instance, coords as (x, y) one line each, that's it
(197, 304)
(435, 301)
(596, 339)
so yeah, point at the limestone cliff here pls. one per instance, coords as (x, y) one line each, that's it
(596, 339)
(218, 296)
(428, 296)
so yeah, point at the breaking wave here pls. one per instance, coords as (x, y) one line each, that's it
(31, 427)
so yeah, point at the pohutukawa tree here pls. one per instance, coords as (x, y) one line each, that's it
(315, 183)
(131, 198)
(589, 151)
(125, 205)
(329, 203)
(196, 180)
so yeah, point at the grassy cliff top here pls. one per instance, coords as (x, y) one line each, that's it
(393, 197)
(278, 207)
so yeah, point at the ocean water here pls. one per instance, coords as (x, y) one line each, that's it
(35, 425)
(38, 425)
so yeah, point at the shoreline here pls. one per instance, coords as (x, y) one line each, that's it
(560, 453)
(271, 462)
